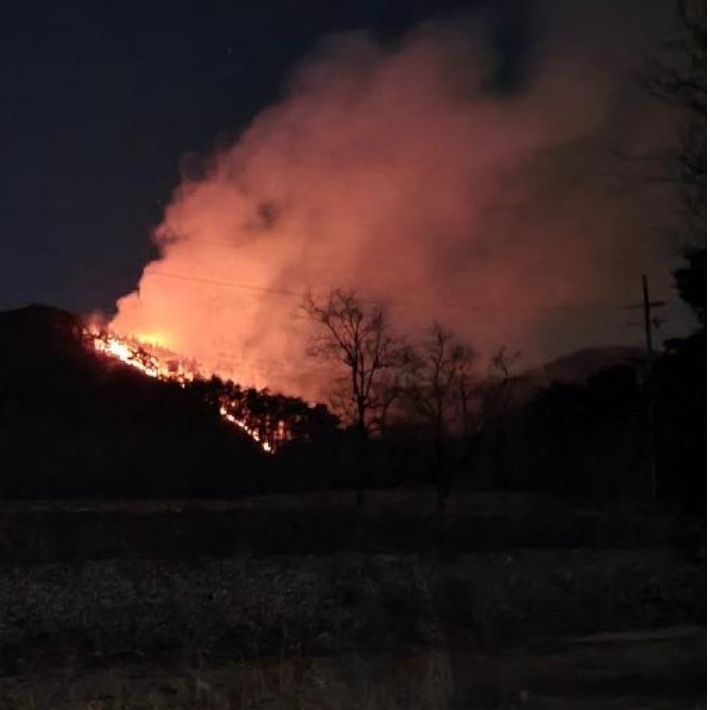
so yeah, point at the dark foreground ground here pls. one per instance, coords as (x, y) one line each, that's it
(654, 669)
(508, 601)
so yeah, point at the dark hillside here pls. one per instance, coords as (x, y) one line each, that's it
(73, 423)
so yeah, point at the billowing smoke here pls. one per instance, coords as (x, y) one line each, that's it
(407, 173)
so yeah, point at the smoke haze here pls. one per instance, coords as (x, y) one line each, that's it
(405, 172)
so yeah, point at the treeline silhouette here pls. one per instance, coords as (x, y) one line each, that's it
(73, 425)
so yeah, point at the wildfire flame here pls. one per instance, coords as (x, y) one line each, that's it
(143, 357)
(159, 363)
(253, 433)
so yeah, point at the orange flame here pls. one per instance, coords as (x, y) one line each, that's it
(253, 433)
(159, 363)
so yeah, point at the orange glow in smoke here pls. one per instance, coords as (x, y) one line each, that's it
(396, 171)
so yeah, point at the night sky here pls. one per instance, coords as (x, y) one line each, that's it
(108, 108)
(102, 102)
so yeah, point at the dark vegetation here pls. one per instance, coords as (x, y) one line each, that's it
(402, 522)
(75, 424)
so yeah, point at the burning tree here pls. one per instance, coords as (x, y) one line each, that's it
(268, 419)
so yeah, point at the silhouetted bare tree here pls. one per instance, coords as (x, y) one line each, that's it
(484, 404)
(439, 367)
(678, 75)
(497, 406)
(357, 336)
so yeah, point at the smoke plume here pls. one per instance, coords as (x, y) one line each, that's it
(405, 172)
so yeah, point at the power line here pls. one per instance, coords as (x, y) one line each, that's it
(395, 304)
(290, 293)
(392, 304)
(229, 284)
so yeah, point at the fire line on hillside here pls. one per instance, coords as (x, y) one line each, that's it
(159, 363)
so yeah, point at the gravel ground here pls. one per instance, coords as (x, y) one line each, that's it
(95, 611)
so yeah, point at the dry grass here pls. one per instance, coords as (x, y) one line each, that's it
(346, 683)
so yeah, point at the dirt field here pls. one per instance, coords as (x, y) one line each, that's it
(662, 669)
(307, 603)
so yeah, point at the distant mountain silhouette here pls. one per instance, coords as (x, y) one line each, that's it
(576, 368)
(580, 366)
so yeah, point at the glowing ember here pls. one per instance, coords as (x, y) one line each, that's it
(143, 357)
(159, 363)
(253, 433)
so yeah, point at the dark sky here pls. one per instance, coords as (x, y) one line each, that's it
(101, 101)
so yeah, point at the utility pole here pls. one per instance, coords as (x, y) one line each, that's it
(648, 323)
